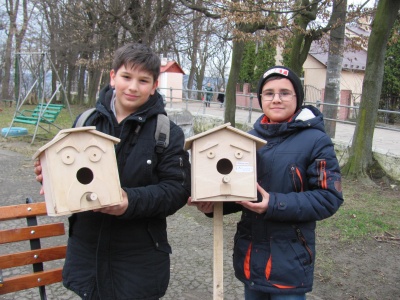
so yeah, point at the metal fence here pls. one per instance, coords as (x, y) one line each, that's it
(248, 110)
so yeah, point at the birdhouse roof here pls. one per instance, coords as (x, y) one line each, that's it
(226, 126)
(62, 134)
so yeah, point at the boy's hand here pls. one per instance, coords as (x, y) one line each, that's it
(204, 207)
(116, 210)
(257, 207)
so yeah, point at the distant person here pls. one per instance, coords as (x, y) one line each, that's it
(209, 94)
(122, 251)
(298, 183)
(221, 97)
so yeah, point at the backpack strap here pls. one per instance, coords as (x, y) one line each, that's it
(162, 133)
(84, 116)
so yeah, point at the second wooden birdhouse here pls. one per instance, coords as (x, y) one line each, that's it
(224, 164)
(79, 171)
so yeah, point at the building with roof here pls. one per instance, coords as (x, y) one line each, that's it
(353, 69)
(170, 81)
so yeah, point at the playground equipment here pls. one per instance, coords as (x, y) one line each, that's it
(31, 70)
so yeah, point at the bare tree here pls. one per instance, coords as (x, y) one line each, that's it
(221, 61)
(295, 19)
(360, 163)
(12, 9)
(84, 34)
(198, 43)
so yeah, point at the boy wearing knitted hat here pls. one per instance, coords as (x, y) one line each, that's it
(298, 183)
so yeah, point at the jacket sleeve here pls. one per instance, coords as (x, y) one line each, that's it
(173, 188)
(322, 194)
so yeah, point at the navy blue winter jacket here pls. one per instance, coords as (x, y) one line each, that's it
(127, 257)
(274, 252)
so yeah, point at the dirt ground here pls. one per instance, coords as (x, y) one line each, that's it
(363, 270)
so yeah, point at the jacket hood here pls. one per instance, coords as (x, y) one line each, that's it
(153, 106)
(307, 117)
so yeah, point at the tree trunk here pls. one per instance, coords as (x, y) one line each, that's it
(82, 79)
(334, 66)
(12, 12)
(360, 160)
(302, 41)
(230, 96)
(203, 56)
(193, 56)
(69, 81)
(19, 36)
(94, 79)
(296, 64)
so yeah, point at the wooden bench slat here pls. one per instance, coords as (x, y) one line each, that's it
(24, 121)
(46, 111)
(35, 258)
(22, 211)
(34, 118)
(38, 111)
(51, 105)
(27, 281)
(31, 232)
(32, 257)
(45, 115)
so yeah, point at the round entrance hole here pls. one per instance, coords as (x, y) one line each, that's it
(84, 175)
(224, 166)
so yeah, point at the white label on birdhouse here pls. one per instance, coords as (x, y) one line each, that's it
(243, 167)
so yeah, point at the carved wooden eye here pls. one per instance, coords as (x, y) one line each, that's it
(68, 156)
(210, 154)
(238, 154)
(94, 154)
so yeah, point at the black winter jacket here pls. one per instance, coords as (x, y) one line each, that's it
(127, 257)
(274, 252)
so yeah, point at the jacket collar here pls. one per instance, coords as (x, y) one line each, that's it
(153, 106)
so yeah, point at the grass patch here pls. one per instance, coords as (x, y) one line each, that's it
(367, 211)
(64, 120)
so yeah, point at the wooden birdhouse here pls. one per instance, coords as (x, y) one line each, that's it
(79, 171)
(223, 163)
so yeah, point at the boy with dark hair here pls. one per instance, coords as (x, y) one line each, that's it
(122, 251)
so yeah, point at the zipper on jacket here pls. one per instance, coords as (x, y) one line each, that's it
(321, 169)
(303, 241)
(296, 174)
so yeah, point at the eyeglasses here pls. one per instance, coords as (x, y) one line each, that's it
(283, 96)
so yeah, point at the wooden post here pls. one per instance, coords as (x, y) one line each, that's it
(218, 252)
